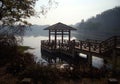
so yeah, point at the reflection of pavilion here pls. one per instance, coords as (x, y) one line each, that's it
(69, 50)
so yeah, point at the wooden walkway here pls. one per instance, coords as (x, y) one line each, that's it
(88, 47)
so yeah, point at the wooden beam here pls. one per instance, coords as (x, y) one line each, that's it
(89, 58)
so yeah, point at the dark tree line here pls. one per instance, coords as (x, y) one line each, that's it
(101, 26)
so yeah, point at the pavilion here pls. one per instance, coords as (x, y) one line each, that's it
(61, 30)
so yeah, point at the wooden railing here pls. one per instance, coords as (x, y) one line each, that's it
(88, 45)
(110, 43)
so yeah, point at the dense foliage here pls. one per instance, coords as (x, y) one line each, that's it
(13, 11)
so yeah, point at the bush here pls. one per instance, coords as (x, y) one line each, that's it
(21, 61)
(8, 49)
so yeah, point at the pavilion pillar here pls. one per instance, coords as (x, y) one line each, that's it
(69, 35)
(62, 36)
(55, 38)
(49, 35)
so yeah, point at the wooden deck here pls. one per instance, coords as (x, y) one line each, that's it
(89, 47)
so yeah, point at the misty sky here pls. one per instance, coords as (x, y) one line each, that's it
(72, 11)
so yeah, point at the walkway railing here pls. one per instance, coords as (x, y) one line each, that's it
(88, 45)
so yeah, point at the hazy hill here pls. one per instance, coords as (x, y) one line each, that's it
(101, 26)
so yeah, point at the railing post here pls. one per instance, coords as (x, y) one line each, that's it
(73, 48)
(89, 45)
(81, 45)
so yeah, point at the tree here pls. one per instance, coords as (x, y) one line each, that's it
(12, 21)
(13, 15)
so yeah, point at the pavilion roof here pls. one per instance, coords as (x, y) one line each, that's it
(59, 26)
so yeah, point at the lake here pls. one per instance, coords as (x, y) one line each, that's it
(35, 42)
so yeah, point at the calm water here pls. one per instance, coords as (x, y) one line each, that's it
(35, 43)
